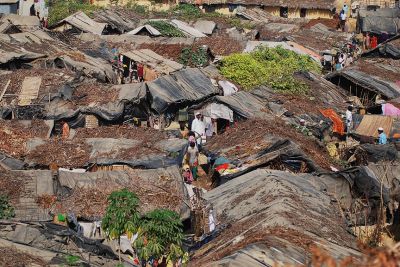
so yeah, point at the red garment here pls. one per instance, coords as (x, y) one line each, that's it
(374, 42)
(338, 125)
(222, 167)
(140, 71)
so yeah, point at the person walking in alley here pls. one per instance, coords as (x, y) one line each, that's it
(349, 118)
(199, 127)
(192, 157)
(382, 137)
(343, 17)
(65, 130)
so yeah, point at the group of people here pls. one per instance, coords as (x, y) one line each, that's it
(382, 138)
(201, 131)
(126, 73)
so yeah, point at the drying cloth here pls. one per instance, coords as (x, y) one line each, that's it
(390, 110)
(338, 126)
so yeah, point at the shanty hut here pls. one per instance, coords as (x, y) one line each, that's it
(288, 9)
(147, 65)
(79, 22)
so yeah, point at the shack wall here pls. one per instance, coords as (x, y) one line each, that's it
(9, 8)
(153, 6)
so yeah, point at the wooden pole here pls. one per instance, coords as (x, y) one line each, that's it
(5, 89)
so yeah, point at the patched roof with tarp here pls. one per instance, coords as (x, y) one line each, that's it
(154, 60)
(263, 221)
(188, 85)
(82, 22)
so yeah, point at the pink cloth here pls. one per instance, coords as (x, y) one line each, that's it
(390, 110)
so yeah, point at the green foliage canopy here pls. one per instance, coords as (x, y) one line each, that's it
(122, 214)
(273, 67)
(160, 233)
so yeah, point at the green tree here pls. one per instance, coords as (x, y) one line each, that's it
(160, 233)
(122, 216)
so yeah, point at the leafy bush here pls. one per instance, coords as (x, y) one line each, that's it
(160, 233)
(197, 58)
(166, 29)
(61, 9)
(273, 67)
(122, 216)
(6, 210)
(187, 11)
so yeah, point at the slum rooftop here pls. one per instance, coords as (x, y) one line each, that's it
(285, 188)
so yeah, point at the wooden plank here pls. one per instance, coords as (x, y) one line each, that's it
(30, 90)
(5, 89)
(370, 124)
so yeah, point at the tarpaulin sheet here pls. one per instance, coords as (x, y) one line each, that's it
(338, 125)
(245, 105)
(184, 86)
(390, 110)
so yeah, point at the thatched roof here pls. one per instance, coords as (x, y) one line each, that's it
(309, 4)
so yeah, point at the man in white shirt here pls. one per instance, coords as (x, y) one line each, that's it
(199, 127)
(349, 118)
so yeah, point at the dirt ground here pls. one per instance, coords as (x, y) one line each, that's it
(149, 135)
(245, 137)
(13, 136)
(330, 23)
(93, 92)
(13, 257)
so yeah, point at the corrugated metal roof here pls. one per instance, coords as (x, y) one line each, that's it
(81, 21)
(370, 124)
(148, 28)
(185, 28)
(154, 60)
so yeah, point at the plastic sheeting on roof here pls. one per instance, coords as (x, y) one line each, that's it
(245, 105)
(180, 87)
(185, 28)
(387, 89)
(205, 26)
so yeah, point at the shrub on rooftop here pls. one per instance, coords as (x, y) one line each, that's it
(272, 67)
(61, 9)
(166, 29)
